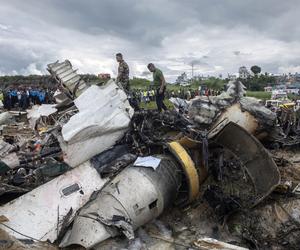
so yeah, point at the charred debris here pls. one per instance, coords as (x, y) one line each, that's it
(88, 169)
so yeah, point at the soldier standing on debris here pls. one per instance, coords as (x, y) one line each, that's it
(160, 84)
(123, 72)
(123, 80)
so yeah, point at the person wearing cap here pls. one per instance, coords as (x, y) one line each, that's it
(159, 84)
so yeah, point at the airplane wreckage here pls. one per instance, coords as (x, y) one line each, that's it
(89, 168)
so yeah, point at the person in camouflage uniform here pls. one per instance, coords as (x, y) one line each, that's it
(123, 72)
(123, 80)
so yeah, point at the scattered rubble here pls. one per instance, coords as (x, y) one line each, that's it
(230, 106)
(88, 169)
(212, 244)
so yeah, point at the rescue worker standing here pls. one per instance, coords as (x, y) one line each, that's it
(160, 84)
(123, 80)
(123, 72)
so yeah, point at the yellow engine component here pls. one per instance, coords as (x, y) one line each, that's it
(195, 150)
(287, 105)
(188, 167)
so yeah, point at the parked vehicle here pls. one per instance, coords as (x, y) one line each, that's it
(279, 94)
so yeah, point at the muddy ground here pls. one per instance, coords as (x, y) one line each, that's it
(273, 224)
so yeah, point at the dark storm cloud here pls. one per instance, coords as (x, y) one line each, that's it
(197, 62)
(276, 18)
(145, 74)
(190, 59)
(129, 19)
(150, 21)
(14, 60)
(145, 31)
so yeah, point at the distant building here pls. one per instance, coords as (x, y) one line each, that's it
(268, 89)
(293, 88)
(281, 79)
(205, 78)
(104, 76)
(293, 78)
(232, 77)
(196, 78)
(243, 72)
(182, 80)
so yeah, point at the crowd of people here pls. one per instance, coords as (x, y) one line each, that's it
(188, 94)
(149, 95)
(24, 97)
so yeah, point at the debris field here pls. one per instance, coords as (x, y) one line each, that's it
(89, 172)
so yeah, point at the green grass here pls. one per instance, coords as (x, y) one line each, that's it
(267, 95)
(293, 97)
(259, 94)
(170, 87)
(152, 105)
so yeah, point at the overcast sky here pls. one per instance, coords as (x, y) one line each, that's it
(217, 36)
